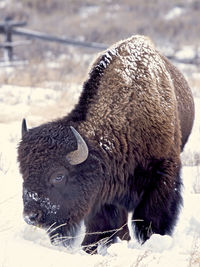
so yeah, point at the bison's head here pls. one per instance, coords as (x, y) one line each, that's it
(60, 179)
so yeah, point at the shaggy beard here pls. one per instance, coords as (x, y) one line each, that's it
(61, 235)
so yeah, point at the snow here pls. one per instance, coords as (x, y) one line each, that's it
(137, 50)
(186, 52)
(88, 11)
(24, 245)
(193, 146)
(44, 202)
(4, 3)
(174, 13)
(106, 144)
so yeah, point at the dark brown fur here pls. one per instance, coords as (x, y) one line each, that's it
(135, 113)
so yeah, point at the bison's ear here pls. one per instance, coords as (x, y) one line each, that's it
(80, 155)
(24, 127)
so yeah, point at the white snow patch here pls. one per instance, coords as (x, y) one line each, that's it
(174, 13)
(138, 59)
(106, 144)
(16, 102)
(4, 3)
(192, 147)
(12, 96)
(158, 243)
(44, 202)
(186, 52)
(106, 59)
(87, 11)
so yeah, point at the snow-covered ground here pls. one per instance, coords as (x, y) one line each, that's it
(22, 245)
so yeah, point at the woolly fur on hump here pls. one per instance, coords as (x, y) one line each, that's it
(129, 87)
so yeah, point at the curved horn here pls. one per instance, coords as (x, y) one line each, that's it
(80, 155)
(24, 127)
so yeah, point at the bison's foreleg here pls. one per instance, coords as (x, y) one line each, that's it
(104, 226)
(159, 207)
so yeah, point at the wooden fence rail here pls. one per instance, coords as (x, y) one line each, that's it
(62, 40)
(8, 28)
(13, 44)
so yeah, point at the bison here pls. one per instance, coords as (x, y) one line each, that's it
(117, 152)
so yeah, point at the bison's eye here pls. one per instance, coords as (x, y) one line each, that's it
(58, 179)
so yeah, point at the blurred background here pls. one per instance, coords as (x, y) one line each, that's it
(173, 25)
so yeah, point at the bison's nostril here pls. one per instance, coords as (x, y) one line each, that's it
(32, 218)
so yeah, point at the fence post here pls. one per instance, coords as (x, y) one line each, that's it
(8, 50)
